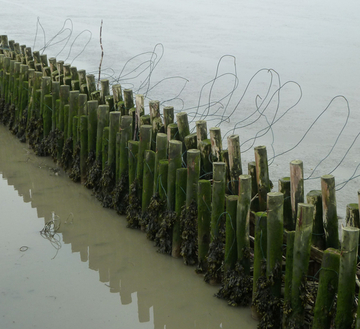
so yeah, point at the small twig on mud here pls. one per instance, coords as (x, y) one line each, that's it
(102, 54)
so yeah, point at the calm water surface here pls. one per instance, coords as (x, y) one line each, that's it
(103, 276)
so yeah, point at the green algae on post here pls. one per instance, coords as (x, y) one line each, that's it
(314, 197)
(284, 187)
(296, 187)
(262, 175)
(235, 166)
(148, 180)
(175, 161)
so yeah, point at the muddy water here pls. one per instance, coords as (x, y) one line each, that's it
(95, 273)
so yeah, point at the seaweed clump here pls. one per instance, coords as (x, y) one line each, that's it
(67, 154)
(216, 255)
(153, 216)
(94, 173)
(75, 174)
(188, 224)
(106, 187)
(120, 194)
(163, 238)
(268, 306)
(236, 287)
(21, 134)
(133, 210)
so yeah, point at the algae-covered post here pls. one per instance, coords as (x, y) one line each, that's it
(216, 144)
(145, 144)
(102, 122)
(218, 198)
(327, 289)
(243, 222)
(83, 146)
(126, 134)
(92, 109)
(330, 218)
(148, 180)
(262, 175)
(275, 210)
(347, 272)
(168, 112)
(201, 131)
(203, 222)
(175, 161)
(180, 200)
(161, 153)
(114, 125)
(230, 235)
(301, 256)
(104, 91)
(128, 100)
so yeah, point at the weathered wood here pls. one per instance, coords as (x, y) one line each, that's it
(235, 166)
(296, 187)
(216, 144)
(262, 175)
(314, 197)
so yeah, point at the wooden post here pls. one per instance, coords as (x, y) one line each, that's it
(183, 125)
(218, 198)
(254, 188)
(126, 134)
(83, 146)
(234, 162)
(102, 122)
(327, 289)
(128, 100)
(161, 153)
(296, 187)
(117, 93)
(180, 201)
(91, 85)
(175, 162)
(205, 153)
(148, 180)
(243, 222)
(262, 175)
(216, 144)
(284, 188)
(47, 114)
(260, 253)
(275, 210)
(231, 254)
(173, 131)
(114, 126)
(314, 197)
(73, 110)
(168, 116)
(190, 141)
(92, 107)
(203, 221)
(330, 218)
(133, 147)
(201, 131)
(145, 144)
(347, 271)
(55, 96)
(290, 238)
(302, 248)
(105, 90)
(193, 166)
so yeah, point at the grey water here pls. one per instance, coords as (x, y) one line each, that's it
(95, 272)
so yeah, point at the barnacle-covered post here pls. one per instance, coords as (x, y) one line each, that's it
(203, 221)
(275, 210)
(296, 188)
(175, 161)
(290, 238)
(161, 153)
(126, 135)
(260, 253)
(230, 234)
(314, 197)
(180, 201)
(148, 179)
(218, 198)
(347, 272)
(330, 218)
(327, 288)
(284, 188)
(83, 146)
(302, 248)
(234, 163)
(102, 122)
(262, 175)
(243, 222)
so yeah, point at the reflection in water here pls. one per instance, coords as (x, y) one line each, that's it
(164, 292)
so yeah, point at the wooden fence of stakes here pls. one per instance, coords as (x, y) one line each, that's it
(266, 249)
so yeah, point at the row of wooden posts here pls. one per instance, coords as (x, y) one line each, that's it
(201, 201)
